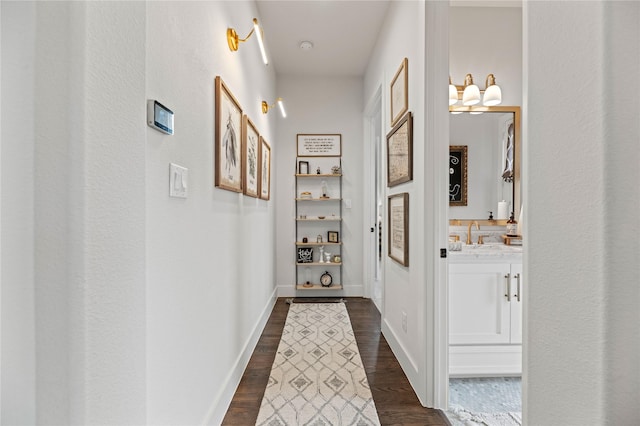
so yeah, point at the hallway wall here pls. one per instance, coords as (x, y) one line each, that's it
(321, 105)
(582, 252)
(133, 307)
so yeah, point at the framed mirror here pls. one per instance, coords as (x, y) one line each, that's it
(491, 136)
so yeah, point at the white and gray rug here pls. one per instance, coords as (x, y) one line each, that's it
(317, 377)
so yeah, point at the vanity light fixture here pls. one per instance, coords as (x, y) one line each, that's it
(234, 41)
(471, 92)
(266, 107)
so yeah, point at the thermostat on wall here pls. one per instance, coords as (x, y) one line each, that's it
(159, 117)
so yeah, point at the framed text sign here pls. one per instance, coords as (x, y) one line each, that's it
(319, 145)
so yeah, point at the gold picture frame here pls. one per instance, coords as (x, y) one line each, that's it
(399, 92)
(398, 228)
(400, 152)
(265, 170)
(228, 139)
(250, 158)
(458, 175)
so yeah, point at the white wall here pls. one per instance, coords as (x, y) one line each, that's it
(415, 30)
(321, 105)
(133, 307)
(210, 257)
(582, 335)
(18, 386)
(487, 40)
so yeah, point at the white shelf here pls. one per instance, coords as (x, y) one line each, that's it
(319, 264)
(319, 287)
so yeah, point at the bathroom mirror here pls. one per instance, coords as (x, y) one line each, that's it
(491, 136)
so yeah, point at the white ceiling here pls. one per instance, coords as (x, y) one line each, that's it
(343, 33)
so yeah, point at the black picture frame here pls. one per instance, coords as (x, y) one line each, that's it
(333, 237)
(303, 167)
(458, 175)
(305, 254)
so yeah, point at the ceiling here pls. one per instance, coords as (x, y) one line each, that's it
(343, 33)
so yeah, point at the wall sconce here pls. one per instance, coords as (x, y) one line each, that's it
(233, 40)
(471, 93)
(266, 107)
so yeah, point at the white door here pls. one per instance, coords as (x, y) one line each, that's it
(479, 312)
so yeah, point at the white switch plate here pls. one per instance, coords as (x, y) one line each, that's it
(178, 181)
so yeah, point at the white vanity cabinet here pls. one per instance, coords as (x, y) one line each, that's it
(485, 318)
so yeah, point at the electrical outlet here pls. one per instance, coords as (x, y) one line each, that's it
(404, 321)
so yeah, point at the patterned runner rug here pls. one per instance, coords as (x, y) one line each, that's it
(317, 377)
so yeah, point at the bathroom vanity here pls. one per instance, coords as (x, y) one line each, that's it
(486, 290)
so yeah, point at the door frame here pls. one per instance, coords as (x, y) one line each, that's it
(372, 114)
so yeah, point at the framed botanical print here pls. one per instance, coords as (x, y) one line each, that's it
(400, 152)
(265, 170)
(458, 175)
(400, 92)
(398, 226)
(228, 139)
(250, 152)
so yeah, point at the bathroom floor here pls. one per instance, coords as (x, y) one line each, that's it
(491, 401)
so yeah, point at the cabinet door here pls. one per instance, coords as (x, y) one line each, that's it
(517, 289)
(479, 312)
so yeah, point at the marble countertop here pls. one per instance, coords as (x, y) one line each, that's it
(490, 252)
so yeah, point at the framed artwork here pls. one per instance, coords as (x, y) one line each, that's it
(332, 236)
(400, 92)
(398, 218)
(305, 255)
(265, 170)
(303, 167)
(400, 152)
(319, 145)
(250, 152)
(458, 175)
(228, 140)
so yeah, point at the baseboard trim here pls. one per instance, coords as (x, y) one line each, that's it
(406, 362)
(222, 401)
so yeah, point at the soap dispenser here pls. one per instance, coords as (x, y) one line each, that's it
(512, 226)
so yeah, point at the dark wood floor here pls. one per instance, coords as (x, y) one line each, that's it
(395, 400)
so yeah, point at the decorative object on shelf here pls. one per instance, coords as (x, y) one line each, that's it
(336, 170)
(307, 277)
(266, 107)
(228, 167)
(234, 41)
(265, 170)
(321, 217)
(316, 145)
(326, 279)
(303, 167)
(305, 240)
(469, 93)
(305, 195)
(319, 238)
(250, 157)
(324, 189)
(332, 236)
(400, 152)
(327, 257)
(303, 216)
(398, 226)
(337, 258)
(318, 170)
(458, 175)
(321, 259)
(400, 92)
(305, 255)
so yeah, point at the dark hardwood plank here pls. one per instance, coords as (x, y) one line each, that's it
(395, 400)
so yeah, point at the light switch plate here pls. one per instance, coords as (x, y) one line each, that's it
(178, 181)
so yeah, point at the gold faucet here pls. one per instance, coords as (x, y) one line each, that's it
(469, 242)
